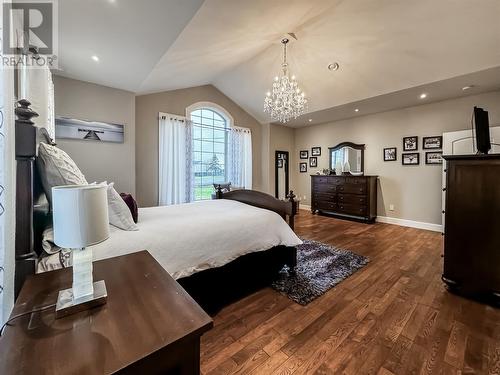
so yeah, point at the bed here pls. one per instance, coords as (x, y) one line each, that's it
(229, 246)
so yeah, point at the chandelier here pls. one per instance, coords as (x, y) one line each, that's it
(286, 100)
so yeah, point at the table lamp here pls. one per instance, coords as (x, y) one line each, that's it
(80, 214)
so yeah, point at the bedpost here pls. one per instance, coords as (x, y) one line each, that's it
(25, 143)
(218, 192)
(291, 219)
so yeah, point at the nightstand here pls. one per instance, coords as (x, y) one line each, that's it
(149, 325)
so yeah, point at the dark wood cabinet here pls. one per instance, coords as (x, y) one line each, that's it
(149, 325)
(350, 197)
(472, 223)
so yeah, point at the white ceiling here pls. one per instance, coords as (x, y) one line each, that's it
(128, 36)
(383, 46)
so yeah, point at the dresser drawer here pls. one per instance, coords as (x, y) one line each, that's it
(352, 188)
(319, 180)
(355, 180)
(336, 180)
(326, 205)
(352, 199)
(351, 209)
(326, 188)
(324, 195)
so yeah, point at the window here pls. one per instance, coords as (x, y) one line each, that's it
(209, 162)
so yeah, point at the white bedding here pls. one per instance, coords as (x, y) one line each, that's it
(192, 237)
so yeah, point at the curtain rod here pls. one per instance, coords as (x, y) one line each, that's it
(199, 125)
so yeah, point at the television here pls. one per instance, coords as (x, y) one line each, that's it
(482, 127)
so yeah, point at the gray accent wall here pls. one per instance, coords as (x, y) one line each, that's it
(99, 161)
(175, 102)
(415, 191)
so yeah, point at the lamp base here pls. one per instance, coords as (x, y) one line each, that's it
(66, 305)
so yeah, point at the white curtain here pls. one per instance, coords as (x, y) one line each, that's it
(240, 158)
(7, 193)
(175, 157)
(38, 88)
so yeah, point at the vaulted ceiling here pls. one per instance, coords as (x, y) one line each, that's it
(382, 46)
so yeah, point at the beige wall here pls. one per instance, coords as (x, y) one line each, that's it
(99, 161)
(176, 102)
(415, 191)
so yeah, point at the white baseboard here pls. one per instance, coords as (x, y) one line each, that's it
(410, 223)
(396, 221)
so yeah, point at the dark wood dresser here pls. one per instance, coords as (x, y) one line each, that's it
(149, 325)
(472, 224)
(350, 197)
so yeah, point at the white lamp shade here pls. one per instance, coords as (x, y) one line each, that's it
(80, 214)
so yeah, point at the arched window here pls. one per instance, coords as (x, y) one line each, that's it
(210, 147)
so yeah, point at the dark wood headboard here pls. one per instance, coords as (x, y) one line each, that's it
(32, 210)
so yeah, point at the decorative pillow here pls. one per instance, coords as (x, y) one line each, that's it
(56, 168)
(119, 213)
(48, 245)
(132, 205)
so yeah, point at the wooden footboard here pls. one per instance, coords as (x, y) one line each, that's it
(286, 209)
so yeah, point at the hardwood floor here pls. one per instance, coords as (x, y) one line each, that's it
(392, 317)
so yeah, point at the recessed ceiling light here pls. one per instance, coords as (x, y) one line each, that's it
(310, 120)
(333, 66)
(465, 88)
(95, 58)
(423, 96)
(356, 110)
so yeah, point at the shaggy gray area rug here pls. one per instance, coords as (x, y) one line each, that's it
(319, 268)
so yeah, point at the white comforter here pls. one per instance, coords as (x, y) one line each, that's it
(192, 237)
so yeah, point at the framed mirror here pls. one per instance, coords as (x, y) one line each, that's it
(348, 156)
(281, 167)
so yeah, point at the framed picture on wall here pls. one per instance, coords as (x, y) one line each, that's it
(303, 167)
(432, 143)
(316, 151)
(410, 143)
(71, 128)
(280, 163)
(390, 154)
(304, 154)
(434, 157)
(411, 158)
(313, 162)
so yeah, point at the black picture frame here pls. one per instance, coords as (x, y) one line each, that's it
(304, 154)
(404, 158)
(313, 162)
(316, 151)
(432, 143)
(389, 157)
(303, 167)
(429, 159)
(410, 143)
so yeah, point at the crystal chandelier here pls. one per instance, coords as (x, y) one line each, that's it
(286, 100)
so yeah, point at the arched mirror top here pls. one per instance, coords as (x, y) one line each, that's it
(347, 152)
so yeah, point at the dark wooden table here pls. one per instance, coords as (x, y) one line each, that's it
(149, 325)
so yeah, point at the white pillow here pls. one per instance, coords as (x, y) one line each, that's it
(56, 168)
(118, 211)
